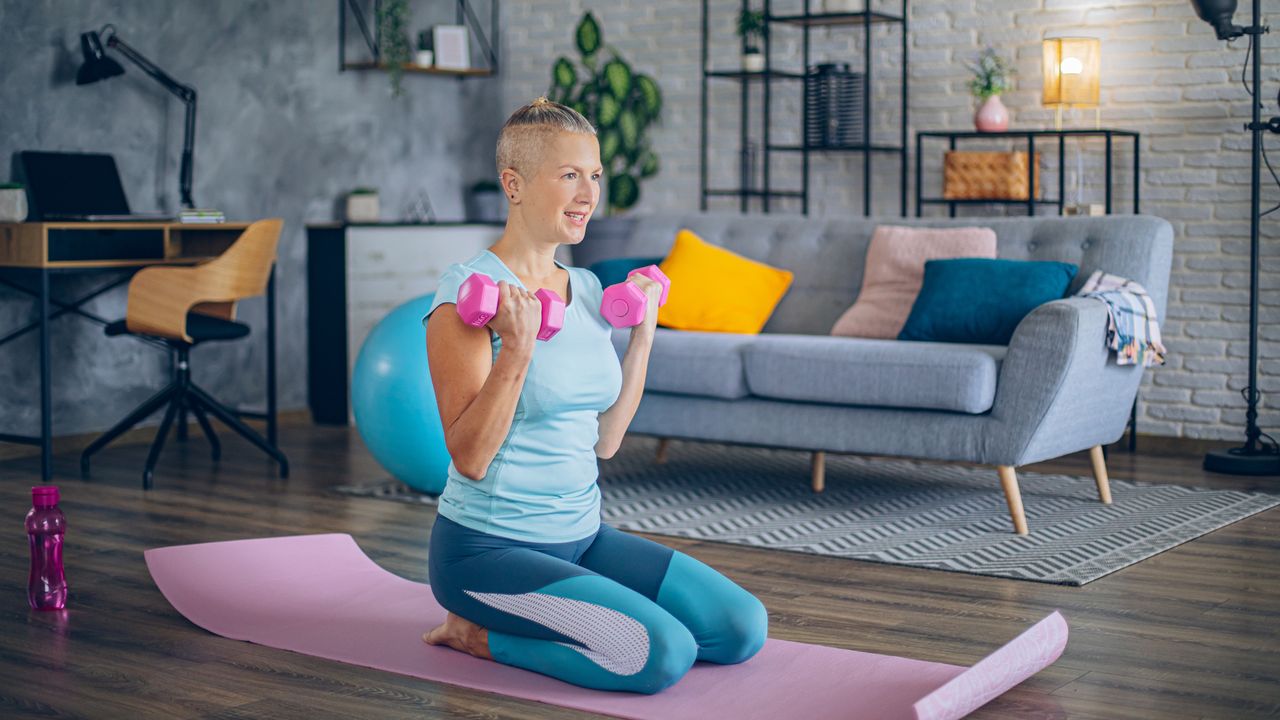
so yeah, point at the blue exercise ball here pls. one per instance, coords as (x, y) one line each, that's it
(394, 403)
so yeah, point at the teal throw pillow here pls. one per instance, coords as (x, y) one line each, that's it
(614, 270)
(982, 300)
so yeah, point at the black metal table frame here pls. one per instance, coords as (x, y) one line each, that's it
(1030, 135)
(44, 300)
(1031, 202)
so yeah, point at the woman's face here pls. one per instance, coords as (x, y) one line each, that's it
(566, 188)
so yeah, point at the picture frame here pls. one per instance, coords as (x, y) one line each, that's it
(452, 47)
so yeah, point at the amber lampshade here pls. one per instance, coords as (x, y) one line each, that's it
(1072, 66)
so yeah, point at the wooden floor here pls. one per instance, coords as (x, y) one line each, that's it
(1191, 633)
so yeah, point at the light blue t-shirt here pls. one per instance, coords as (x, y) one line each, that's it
(541, 485)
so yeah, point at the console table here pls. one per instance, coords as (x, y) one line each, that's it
(1030, 136)
(356, 274)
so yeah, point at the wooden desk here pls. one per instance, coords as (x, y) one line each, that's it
(42, 249)
(112, 244)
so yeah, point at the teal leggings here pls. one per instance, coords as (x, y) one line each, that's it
(611, 612)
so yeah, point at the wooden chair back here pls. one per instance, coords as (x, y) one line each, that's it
(160, 297)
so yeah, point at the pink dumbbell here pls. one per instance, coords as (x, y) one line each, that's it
(625, 304)
(478, 303)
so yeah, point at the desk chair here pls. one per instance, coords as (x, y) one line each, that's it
(183, 307)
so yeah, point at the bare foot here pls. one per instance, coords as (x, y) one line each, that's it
(462, 635)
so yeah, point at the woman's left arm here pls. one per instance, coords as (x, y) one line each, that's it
(635, 365)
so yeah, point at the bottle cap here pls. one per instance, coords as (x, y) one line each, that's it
(44, 496)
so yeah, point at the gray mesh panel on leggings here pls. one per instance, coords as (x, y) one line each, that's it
(614, 641)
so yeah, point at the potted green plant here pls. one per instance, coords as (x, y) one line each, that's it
(362, 205)
(486, 202)
(992, 76)
(13, 202)
(424, 57)
(394, 48)
(620, 103)
(751, 28)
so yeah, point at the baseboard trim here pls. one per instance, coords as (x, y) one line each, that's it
(1179, 446)
(1147, 445)
(144, 435)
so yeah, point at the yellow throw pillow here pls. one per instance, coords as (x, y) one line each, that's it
(716, 290)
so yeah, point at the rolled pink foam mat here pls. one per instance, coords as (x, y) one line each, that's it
(321, 595)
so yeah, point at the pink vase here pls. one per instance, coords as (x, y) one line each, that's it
(992, 116)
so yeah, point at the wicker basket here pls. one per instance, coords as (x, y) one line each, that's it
(969, 175)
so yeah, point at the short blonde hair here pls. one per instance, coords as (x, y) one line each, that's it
(530, 128)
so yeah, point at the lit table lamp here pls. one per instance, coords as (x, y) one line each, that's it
(1072, 66)
(99, 66)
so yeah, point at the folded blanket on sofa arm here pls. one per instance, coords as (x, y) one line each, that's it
(1133, 331)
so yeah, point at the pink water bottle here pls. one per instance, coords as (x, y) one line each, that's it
(47, 586)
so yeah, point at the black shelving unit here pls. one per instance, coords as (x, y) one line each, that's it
(804, 21)
(366, 20)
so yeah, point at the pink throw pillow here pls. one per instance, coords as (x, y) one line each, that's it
(895, 271)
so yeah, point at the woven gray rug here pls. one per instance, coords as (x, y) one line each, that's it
(900, 512)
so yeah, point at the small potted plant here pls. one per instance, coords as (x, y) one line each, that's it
(751, 29)
(424, 57)
(486, 201)
(13, 202)
(992, 76)
(362, 205)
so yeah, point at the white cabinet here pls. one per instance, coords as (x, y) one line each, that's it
(356, 274)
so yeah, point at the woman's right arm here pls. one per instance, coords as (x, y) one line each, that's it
(477, 395)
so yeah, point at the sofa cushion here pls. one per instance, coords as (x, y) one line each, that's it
(973, 300)
(693, 363)
(895, 271)
(614, 270)
(718, 290)
(877, 373)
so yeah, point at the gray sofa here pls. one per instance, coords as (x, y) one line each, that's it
(1054, 390)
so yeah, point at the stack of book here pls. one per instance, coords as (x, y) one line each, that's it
(198, 215)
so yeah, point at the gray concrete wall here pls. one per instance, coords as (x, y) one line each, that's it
(280, 133)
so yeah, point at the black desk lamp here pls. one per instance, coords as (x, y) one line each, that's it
(97, 66)
(1256, 457)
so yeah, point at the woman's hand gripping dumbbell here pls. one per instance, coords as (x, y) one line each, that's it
(626, 304)
(478, 303)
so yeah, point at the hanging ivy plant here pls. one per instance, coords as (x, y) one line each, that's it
(619, 102)
(394, 48)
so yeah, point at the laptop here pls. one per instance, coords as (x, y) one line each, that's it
(77, 186)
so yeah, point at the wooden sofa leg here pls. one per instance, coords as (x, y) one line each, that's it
(661, 456)
(819, 471)
(1009, 481)
(1100, 473)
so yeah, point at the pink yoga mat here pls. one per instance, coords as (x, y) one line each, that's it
(320, 595)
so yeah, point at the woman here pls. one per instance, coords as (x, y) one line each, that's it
(519, 557)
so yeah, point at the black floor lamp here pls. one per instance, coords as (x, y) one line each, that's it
(97, 66)
(1255, 457)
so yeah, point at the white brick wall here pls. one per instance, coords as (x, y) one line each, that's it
(1164, 74)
